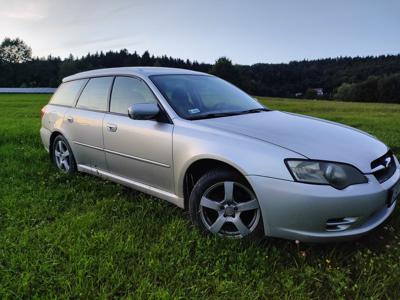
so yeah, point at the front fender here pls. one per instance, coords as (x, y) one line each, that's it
(248, 155)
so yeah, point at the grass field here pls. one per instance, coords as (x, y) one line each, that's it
(82, 237)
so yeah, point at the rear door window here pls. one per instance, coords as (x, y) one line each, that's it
(128, 91)
(67, 92)
(95, 94)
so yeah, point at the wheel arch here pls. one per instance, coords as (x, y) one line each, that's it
(53, 135)
(199, 167)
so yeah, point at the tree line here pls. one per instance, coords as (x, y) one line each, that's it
(372, 79)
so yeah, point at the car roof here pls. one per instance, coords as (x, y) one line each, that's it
(138, 71)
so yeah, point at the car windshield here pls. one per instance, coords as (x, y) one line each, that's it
(204, 96)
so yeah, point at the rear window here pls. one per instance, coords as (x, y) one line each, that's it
(95, 94)
(67, 92)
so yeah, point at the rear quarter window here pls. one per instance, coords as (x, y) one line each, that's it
(67, 92)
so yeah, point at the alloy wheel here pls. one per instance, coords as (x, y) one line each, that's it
(230, 209)
(62, 156)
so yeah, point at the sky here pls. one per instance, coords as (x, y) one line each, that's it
(247, 32)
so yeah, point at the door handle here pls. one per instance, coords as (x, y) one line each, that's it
(70, 119)
(111, 127)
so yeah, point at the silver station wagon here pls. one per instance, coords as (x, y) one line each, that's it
(239, 168)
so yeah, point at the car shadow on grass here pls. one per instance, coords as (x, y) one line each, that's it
(396, 149)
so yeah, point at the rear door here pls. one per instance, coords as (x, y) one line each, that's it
(140, 150)
(85, 122)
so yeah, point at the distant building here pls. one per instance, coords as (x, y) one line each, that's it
(318, 91)
(27, 90)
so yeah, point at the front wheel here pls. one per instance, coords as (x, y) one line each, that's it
(223, 203)
(62, 155)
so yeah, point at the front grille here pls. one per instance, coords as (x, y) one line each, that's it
(384, 167)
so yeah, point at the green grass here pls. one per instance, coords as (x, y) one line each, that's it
(82, 237)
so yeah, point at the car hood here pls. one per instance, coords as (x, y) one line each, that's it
(311, 137)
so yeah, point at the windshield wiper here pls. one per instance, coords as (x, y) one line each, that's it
(254, 110)
(227, 114)
(214, 115)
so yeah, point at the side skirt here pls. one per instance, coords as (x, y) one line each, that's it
(174, 199)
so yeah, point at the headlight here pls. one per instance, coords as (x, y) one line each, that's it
(337, 175)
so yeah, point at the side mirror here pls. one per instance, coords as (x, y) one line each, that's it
(143, 111)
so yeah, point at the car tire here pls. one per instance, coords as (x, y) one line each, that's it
(223, 203)
(62, 156)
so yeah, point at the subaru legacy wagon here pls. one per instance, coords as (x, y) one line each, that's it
(239, 168)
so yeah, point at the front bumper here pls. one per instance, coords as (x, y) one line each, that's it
(299, 211)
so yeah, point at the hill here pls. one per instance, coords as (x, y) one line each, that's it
(308, 78)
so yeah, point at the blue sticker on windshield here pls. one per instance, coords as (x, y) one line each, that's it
(194, 111)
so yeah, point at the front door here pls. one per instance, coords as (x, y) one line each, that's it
(140, 150)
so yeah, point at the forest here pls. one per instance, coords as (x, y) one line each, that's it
(367, 79)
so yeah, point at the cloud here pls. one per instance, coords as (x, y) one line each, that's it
(22, 11)
(104, 43)
(22, 15)
(100, 13)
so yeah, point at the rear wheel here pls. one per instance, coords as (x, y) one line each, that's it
(62, 155)
(223, 203)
